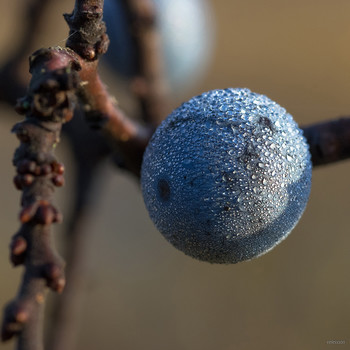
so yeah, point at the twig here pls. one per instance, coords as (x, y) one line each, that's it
(48, 104)
(89, 40)
(329, 141)
(150, 83)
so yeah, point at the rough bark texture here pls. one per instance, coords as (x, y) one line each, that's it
(48, 104)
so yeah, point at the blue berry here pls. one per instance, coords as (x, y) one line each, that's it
(226, 176)
(186, 31)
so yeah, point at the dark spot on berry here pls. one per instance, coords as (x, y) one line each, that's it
(228, 177)
(226, 208)
(249, 153)
(266, 122)
(164, 189)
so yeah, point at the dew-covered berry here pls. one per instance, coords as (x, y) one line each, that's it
(226, 176)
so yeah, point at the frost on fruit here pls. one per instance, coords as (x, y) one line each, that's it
(226, 176)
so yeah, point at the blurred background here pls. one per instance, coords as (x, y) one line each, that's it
(143, 293)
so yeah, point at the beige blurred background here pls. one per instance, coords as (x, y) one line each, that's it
(144, 294)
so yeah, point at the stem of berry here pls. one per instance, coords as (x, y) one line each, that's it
(329, 141)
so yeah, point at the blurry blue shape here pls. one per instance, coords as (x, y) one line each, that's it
(186, 29)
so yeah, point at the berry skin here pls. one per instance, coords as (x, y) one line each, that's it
(186, 30)
(226, 176)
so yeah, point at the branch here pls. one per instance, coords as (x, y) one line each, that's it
(88, 39)
(48, 104)
(329, 141)
(149, 84)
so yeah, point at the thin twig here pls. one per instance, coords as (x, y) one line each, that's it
(150, 84)
(89, 39)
